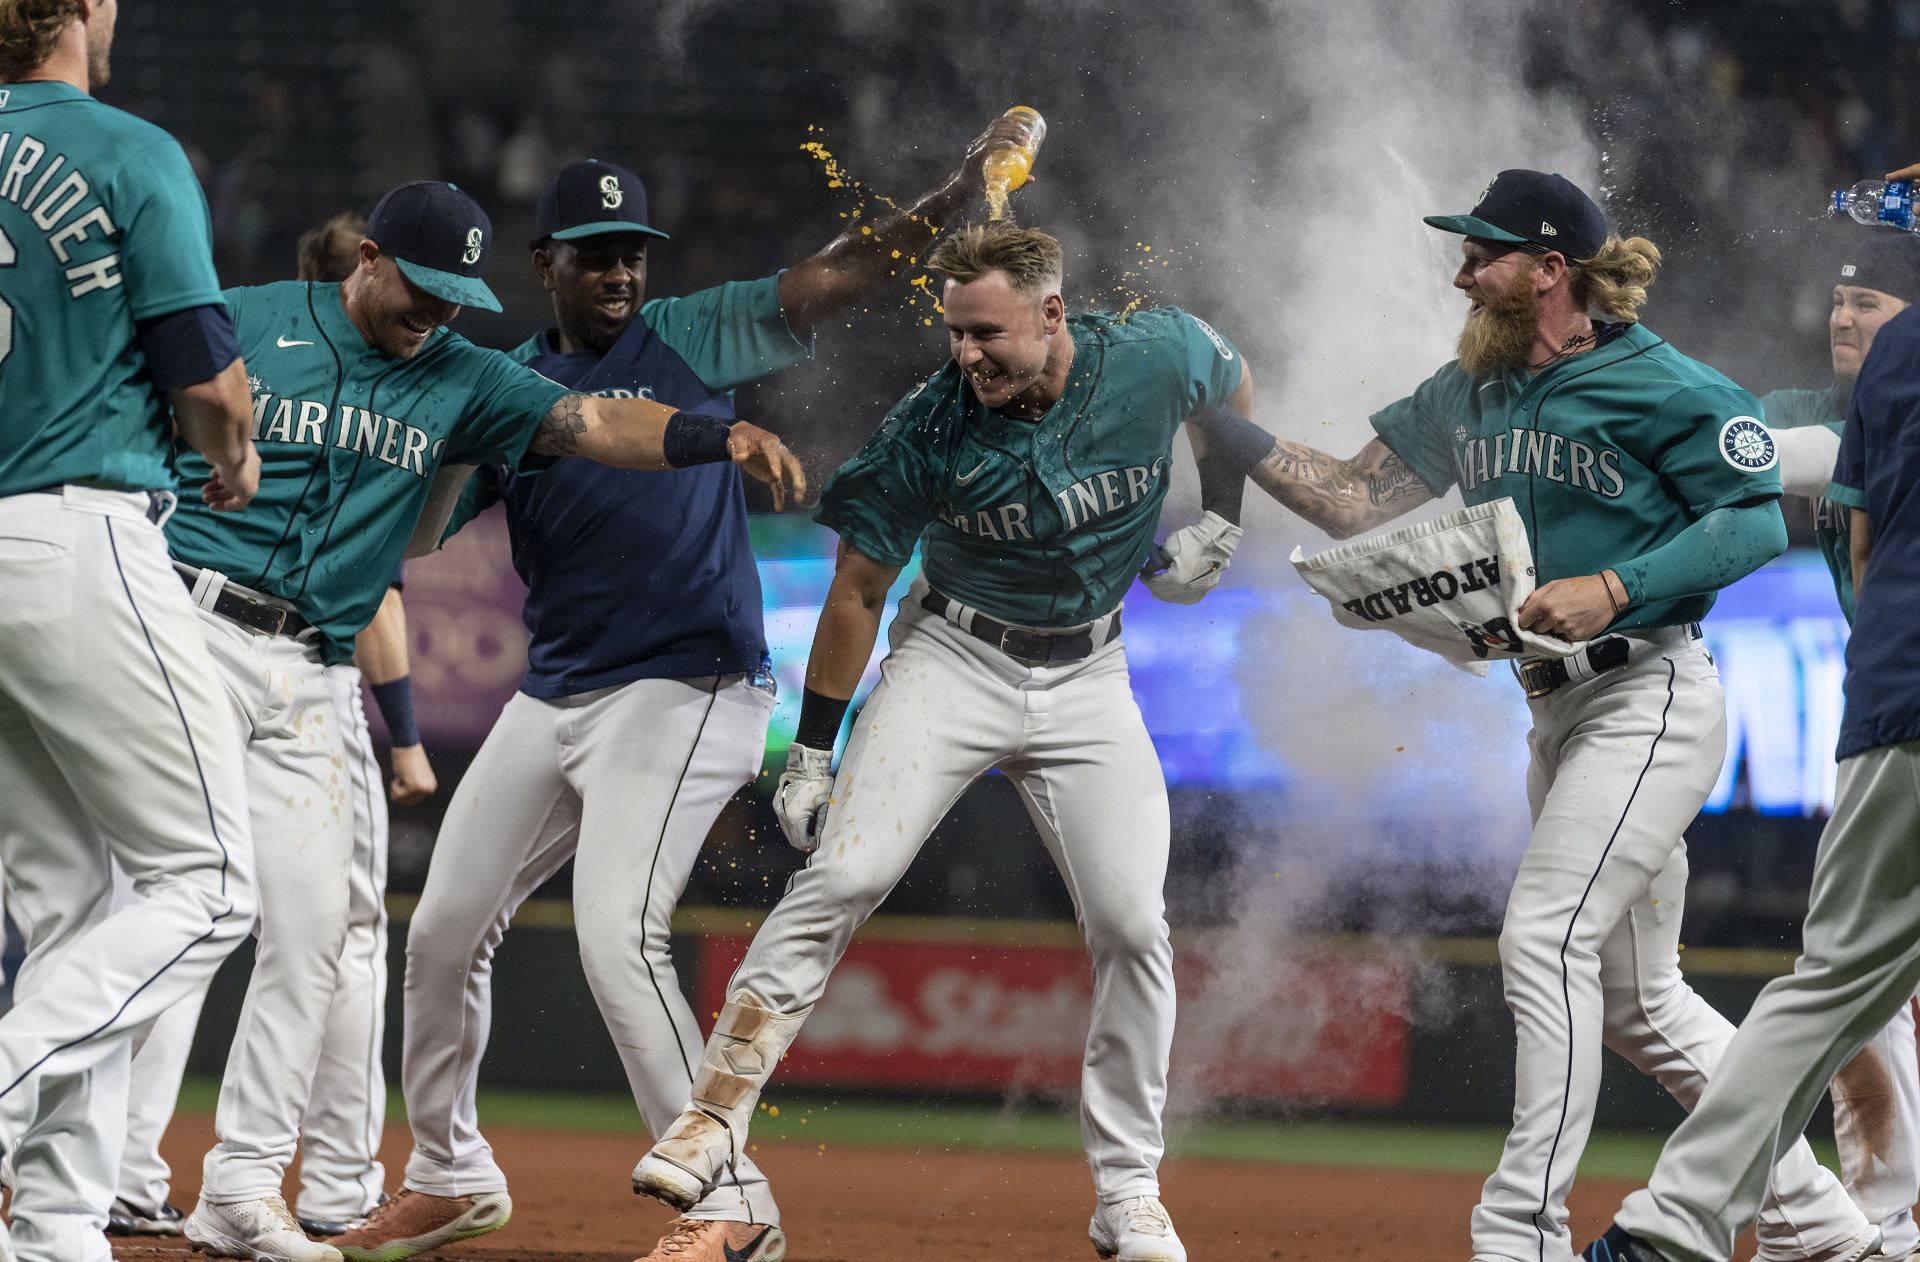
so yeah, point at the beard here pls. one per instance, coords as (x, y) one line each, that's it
(1498, 336)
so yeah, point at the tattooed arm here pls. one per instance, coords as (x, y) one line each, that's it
(1342, 497)
(633, 434)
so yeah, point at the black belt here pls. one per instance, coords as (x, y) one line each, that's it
(1029, 648)
(255, 615)
(1542, 675)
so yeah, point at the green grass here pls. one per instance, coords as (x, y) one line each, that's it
(1045, 1128)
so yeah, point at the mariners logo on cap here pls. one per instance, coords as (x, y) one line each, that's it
(1747, 444)
(1485, 189)
(610, 194)
(471, 254)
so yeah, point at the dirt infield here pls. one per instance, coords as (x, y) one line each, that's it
(855, 1204)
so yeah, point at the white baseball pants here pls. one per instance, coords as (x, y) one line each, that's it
(301, 796)
(153, 1089)
(113, 742)
(1620, 766)
(341, 1177)
(948, 709)
(1859, 963)
(627, 781)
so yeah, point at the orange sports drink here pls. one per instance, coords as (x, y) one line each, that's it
(1007, 169)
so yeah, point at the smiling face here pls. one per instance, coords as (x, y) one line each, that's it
(1504, 319)
(391, 312)
(597, 283)
(1003, 340)
(1857, 315)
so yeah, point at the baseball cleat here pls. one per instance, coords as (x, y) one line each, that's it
(687, 1162)
(1136, 1230)
(124, 1218)
(261, 1230)
(1618, 1245)
(715, 1240)
(414, 1222)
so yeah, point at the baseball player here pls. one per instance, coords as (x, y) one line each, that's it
(1860, 955)
(340, 1177)
(1876, 1095)
(113, 744)
(359, 395)
(1646, 483)
(1030, 470)
(670, 660)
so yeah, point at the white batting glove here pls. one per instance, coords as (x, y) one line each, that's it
(800, 799)
(1189, 564)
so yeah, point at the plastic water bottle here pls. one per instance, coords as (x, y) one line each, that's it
(1885, 202)
(1007, 169)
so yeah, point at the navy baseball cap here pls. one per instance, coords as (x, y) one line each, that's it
(1886, 261)
(589, 199)
(1535, 210)
(439, 236)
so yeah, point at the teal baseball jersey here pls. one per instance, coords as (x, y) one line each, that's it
(102, 225)
(1606, 455)
(1832, 523)
(349, 440)
(1042, 523)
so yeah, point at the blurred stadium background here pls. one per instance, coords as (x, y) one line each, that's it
(1718, 126)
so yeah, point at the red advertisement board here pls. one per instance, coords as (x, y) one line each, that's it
(1330, 1029)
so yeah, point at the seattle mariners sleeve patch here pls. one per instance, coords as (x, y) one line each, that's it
(1746, 444)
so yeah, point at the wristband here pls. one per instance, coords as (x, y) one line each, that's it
(820, 718)
(692, 438)
(395, 699)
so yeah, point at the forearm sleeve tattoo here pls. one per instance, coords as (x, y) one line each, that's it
(560, 429)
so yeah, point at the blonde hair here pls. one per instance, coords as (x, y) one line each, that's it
(1614, 281)
(29, 29)
(332, 251)
(1031, 258)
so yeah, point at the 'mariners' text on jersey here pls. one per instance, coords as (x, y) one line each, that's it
(31, 178)
(1534, 453)
(383, 438)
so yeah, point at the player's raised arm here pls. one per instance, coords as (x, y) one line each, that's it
(842, 644)
(1342, 497)
(642, 434)
(868, 253)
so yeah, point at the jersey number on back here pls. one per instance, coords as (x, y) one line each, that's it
(6, 312)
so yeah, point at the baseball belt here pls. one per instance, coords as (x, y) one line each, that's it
(1542, 675)
(1025, 645)
(236, 604)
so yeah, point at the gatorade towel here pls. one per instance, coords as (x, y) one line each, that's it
(1453, 585)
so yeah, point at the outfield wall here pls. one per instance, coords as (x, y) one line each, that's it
(1407, 1028)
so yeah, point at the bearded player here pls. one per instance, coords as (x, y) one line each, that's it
(115, 349)
(1646, 483)
(1030, 470)
(646, 698)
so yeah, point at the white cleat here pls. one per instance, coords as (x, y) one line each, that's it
(1136, 1230)
(262, 1230)
(687, 1162)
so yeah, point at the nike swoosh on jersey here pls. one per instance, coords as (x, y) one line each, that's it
(283, 342)
(965, 478)
(741, 1255)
